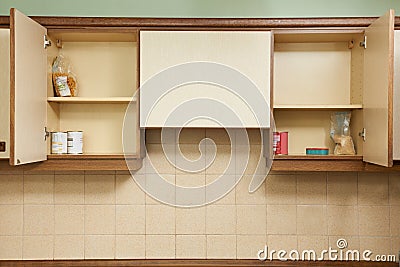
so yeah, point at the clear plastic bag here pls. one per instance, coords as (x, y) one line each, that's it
(340, 133)
(64, 80)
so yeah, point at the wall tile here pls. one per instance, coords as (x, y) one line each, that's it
(311, 188)
(130, 219)
(311, 220)
(38, 247)
(281, 242)
(316, 243)
(153, 136)
(219, 136)
(39, 219)
(253, 160)
(254, 136)
(69, 219)
(342, 220)
(39, 189)
(127, 191)
(191, 135)
(342, 188)
(353, 242)
(99, 246)
(251, 220)
(190, 246)
(373, 189)
(395, 221)
(244, 197)
(191, 221)
(221, 247)
(11, 218)
(395, 246)
(249, 245)
(221, 219)
(69, 247)
(378, 245)
(213, 192)
(156, 161)
(191, 152)
(160, 246)
(168, 177)
(194, 181)
(12, 250)
(130, 247)
(224, 161)
(69, 189)
(281, 219)
(99, 189)
(11, 189)
(394, 189)
(374, 220)
(99, 220)
(190, 180)
(281, 189)
(156, 226)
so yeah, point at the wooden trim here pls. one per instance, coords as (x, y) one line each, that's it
(12, 87)
(390, 89)
(63, 164)
(97, 163)
(81, 22)
(187, 263)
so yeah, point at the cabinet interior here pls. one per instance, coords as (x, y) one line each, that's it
(316, 74)
(105, 65)
(5, 91)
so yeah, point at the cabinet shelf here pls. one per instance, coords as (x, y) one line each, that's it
(318, 107)
(91, 100)
(318, 157)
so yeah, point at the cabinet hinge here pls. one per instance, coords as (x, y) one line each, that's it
(46, 133)
(46, 42)
(363, 134)
(364, 42)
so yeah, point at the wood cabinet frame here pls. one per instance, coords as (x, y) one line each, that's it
(281, 163)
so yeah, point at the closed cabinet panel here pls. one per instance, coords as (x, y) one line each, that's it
(28, 90)
(4, 93)
(378, 91)
(396, 97)
(226, 77)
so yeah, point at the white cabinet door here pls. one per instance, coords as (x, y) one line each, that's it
(396, 97)
(378, 91)
(5, 91)
(28, 90)
(239, 56)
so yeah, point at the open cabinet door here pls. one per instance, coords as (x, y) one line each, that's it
(378, 91)
(28, 90)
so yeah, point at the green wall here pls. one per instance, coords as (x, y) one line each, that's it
(201, 8)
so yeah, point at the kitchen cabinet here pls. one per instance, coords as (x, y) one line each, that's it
(306, 68)
(247, 52)
(105, 63)
(321, 71)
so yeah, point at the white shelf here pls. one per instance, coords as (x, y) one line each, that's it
(91, 100)
(318, 107)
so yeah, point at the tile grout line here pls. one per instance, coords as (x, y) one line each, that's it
(54, 215)
(84, 215)
(115, 215)
(23, 214)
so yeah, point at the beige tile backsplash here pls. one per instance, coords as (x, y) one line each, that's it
(97, 215)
